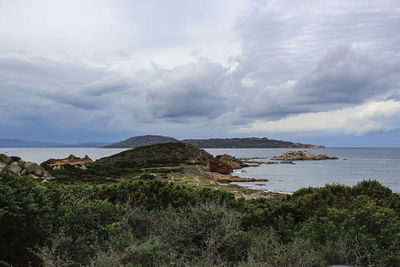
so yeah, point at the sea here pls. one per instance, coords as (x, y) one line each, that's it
(353, 165)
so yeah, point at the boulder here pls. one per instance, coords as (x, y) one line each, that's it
(15, 158)
(14, 167)
(20, 167)
(301, 155)
(35, 169)
(5, 159)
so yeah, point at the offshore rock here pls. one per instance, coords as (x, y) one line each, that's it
(287, 162)
(301, 155)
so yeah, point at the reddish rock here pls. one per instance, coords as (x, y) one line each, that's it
(72, 160)
(214, 165)
(231, 161)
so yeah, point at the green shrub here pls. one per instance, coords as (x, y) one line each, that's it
(26, 217)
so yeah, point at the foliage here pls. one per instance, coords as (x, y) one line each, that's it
(26, 216)
(130, 163)
(147, 222)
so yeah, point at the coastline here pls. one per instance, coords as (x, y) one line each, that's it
(380, 164)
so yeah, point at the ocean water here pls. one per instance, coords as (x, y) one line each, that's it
(353, 166)
(38, 155)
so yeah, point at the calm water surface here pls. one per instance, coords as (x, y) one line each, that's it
(38, 155)
(354, 165)
(381, 164)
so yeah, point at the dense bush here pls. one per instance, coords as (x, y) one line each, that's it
(26, 217)
(148, 222)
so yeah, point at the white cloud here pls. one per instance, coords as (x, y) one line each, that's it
(372, 116)
(121, 34)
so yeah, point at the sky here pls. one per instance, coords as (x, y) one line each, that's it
(321, 72)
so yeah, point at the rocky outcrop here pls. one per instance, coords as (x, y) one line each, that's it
(301, 155)
(235, 163)
(71, 160)
(287, 162)
(20, 167)
(215, 165)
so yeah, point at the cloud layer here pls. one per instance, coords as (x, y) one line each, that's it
(216, 68)
(372, 116)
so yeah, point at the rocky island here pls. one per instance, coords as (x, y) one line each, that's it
(301, 155)
(247, 142)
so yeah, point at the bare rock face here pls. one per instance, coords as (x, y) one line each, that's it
(71, 159)
(301, 155)
(20, 167)
(15, 167)
(235, 163)
(214, 165)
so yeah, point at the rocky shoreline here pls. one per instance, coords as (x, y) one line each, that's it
(17, 166)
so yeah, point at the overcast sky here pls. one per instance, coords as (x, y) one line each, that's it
(324, 72)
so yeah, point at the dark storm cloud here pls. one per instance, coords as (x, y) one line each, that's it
(317, 56)
(193, 90)
(92, 94)
(345, 76)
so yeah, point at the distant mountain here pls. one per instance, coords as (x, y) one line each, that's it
(87, 144)
(248, 142)
(144, 140)
(8, 143)
(137, 141)
(26, 143)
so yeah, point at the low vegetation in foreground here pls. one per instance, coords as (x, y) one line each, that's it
(149, 222)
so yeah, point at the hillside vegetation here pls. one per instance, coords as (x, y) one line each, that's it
(144, 140)
(155, 223)
(132, 163)
(247, 142)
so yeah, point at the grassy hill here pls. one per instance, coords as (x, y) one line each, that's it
(132, 162)
(144, 140)
(248, 142)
